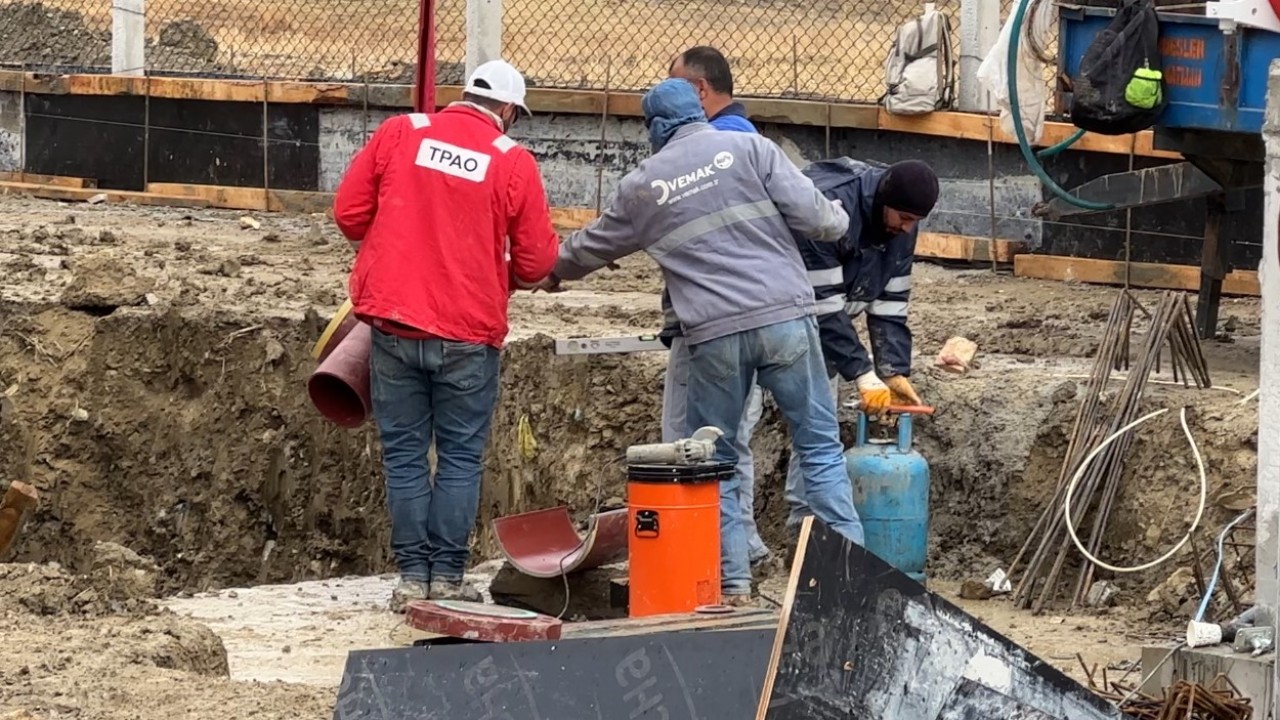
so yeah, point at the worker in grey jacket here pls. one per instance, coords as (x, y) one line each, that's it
(717, 210)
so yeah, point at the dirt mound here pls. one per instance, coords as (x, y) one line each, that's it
(187, 46)
(40, 35)
(118, 582)
(190, 38)
(102, 283)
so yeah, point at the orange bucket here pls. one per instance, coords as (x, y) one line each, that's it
(674, 538)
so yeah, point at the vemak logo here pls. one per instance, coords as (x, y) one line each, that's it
(453, 160)
(722, 161)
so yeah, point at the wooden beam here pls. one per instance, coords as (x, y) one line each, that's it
(942, 246)
(969, 126)
(54, 192)
(233, 198)
(1145, 275)
(572, 218)
(964, 126)
(245, 198)
(38, 179)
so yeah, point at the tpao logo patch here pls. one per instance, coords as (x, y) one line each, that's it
(690, 183)
(453, 160)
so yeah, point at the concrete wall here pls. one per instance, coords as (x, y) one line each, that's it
(577, 173)
(10, 131)
(583, 160)
(1268, 534)
(343, 132)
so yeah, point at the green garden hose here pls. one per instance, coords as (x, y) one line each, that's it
(1015, 109)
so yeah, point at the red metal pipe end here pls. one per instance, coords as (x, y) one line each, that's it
(339, 388)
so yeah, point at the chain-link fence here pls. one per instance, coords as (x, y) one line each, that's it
(829, 49)
(374, 40)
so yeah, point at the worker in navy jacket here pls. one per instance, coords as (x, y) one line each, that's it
(867, 273)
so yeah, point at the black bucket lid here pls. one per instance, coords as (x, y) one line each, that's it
(709, 471)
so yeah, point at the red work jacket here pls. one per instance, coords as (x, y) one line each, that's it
(447, 209)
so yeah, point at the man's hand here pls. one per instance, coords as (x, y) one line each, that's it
(549, 284)
(875, 394)
(903, 393)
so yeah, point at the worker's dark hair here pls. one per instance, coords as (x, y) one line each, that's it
(484, 102)
(709, 64)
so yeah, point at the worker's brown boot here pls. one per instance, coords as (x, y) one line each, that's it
(451, 590)
(407, 591)
(743, 600)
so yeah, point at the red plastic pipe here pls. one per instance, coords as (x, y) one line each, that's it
(339, 388)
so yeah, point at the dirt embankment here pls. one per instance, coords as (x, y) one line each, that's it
(153, 365)
(152, 387)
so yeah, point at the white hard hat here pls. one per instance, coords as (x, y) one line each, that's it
(498, 80)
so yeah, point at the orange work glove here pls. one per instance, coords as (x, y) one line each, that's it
(875, 394)
(903, 393)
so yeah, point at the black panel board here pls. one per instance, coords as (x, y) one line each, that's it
(190, 141)
(220, 143)
(865, 641)
(974, 701)
(89, 136)
(661, 676)
(1166, 233)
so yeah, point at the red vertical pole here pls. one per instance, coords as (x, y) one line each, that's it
(424, 90)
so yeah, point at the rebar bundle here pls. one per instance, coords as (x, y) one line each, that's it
(1182, 701)
(1171, 326)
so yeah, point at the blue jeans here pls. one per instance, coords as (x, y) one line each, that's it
(786, 359)
(798, 509)
(675, 401)
(424, 390)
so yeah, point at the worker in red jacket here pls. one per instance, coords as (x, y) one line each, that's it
(446, 212)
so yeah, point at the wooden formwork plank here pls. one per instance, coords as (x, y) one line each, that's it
(958, 125)
(942, 246)
(1144, 275)
(246, 198)
(39, 179)
(54, 192)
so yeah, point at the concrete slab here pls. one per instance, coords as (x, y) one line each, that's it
(1251, 675)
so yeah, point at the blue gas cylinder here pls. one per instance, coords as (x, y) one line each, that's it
(891, 493)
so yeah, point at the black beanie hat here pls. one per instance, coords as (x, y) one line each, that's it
(909, 186)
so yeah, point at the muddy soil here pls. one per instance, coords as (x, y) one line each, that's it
(152, 387)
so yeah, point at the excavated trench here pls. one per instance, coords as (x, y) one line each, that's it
(188, 437)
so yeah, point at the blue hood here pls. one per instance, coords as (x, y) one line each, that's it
(668, 106)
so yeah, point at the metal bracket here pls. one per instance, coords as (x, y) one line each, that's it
(1149, 186)
(1250, 13)
(593, 346)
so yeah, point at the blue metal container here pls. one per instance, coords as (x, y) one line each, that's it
(891, 492)
(1216, 80)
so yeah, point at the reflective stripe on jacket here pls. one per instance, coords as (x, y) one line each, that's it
(866, 272)
(447, 210)
(716, 210)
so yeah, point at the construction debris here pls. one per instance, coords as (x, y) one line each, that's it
(957, 355)
(1102, 414)
(1183, 700)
